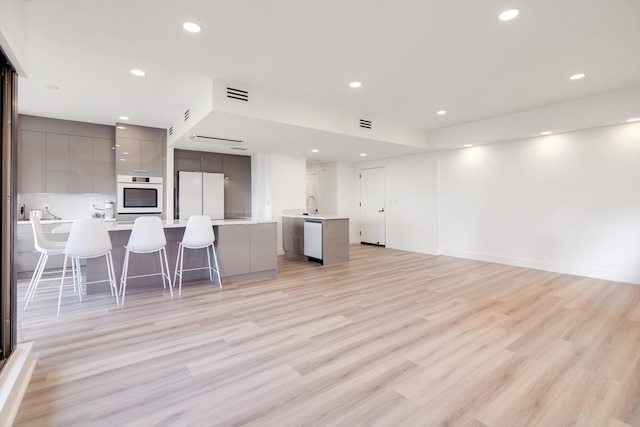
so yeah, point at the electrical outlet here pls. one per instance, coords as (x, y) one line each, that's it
(46, 206)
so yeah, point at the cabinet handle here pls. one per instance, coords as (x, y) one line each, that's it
(140, 170)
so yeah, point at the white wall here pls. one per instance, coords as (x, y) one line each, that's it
(411, 191)
(13, 33)
(568, 203)
(346, 198)
(332, 185)
(278, 184)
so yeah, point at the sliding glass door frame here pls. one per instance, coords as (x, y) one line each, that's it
(8, 225)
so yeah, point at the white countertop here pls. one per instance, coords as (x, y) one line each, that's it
(317, 216)
(56, 221)
(65, 226)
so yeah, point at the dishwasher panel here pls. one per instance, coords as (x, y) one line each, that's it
(313, 238)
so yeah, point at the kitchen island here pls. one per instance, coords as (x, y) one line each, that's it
(320, 238)
(246, 250)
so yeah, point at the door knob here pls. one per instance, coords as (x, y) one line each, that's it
(381, 210)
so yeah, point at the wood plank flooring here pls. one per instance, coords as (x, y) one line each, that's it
(391, 338)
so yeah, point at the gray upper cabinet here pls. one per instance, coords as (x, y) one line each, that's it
(187, 160)
(104, 166)
(198, 161)
(211, 162)
(151, 156)
(128, 155)
(140, 150)
(59, 156)
(57, 163)
(237, 186)
(32, 154)
(80, 172)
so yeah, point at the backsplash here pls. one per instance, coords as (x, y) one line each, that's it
(66, 206)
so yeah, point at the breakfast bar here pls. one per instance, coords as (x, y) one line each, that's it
(246, 250)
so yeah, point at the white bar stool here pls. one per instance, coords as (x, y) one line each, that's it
(46, 249)
(146, 237)
(197, 235)
(88, 238)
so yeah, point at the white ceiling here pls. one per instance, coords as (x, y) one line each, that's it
(412, 57)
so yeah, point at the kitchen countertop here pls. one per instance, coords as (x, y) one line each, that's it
(317, 216)
(65, 226)
(55, 221)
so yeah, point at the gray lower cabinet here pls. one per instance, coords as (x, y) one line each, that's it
(234, 249)
(244, 252)
(335, 239)
(247, 249)
(264, 254)
(293, 235)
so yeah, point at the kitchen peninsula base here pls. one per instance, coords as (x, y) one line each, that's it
(245, 251)
(332, 243)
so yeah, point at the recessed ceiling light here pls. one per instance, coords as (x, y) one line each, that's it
(468, 145)
(122, 160)
(441, 112)
(123, 117)
(546, 132)
(51, 87)
(355, 84)
(125, 152)
(121, 127)
(508, 15)
(192, 27)
(363, 154)
(315, 150)
(635, 119)
(138, 73)
(578, 76)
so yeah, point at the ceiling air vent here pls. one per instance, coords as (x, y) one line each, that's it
(214, 140)
(240, 95)
(186, 115)
(171, 131)
(366, 124)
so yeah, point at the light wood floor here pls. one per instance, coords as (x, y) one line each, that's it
(391, 338)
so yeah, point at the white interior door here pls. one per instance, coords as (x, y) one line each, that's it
(213, 195)
(189, 194)
(372, 206)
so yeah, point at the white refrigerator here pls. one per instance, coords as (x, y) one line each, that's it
(200, 193)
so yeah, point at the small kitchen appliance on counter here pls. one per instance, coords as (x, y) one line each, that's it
(108, 210)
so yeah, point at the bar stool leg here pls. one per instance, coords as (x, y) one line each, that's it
(64, 270)
(166, 264)
(112, 278)
(215, 260)
(123, 278)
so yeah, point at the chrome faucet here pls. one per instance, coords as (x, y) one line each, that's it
(315, 205)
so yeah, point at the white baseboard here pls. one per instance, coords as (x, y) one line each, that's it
(14, 379)
(413, 248)
(556, 267)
